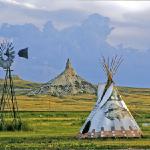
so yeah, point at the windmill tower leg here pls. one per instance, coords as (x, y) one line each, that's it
(8, 105)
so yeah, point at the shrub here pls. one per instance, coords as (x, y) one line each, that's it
(15, 126)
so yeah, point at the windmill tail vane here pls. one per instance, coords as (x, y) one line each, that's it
(23, 53)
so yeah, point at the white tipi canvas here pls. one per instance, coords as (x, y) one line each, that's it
(110, 116)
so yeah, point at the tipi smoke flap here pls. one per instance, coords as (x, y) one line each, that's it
(110, 116)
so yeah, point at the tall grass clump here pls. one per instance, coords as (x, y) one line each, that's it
(17, 126)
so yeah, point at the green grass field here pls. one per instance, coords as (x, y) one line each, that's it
(55, 122)
(58, 130)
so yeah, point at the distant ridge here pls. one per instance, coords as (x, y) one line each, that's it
(66, 83)
(21, 86)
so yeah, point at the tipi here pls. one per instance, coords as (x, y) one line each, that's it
(110, 116)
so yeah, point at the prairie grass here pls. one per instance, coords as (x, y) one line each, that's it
(58, 130)
(55, 122)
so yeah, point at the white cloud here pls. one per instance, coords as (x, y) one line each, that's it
(130, 37)
(133, 5)
(130, 18)
(18, 3)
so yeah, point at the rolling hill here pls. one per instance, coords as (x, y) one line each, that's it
(21, 86)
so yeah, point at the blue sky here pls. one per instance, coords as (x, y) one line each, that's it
(129, 22)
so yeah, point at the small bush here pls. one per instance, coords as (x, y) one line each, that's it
(15, 126)
(26, 127)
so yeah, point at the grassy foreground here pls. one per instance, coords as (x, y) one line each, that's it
(58, 130)
(55, 122)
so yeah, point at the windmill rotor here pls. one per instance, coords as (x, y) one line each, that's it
(7, 54)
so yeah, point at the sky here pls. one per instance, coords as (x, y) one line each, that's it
(130, 19)
(130, 22)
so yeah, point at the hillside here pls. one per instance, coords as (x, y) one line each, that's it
(27, 86)
(21, 86)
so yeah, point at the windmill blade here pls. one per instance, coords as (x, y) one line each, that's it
(12, 52)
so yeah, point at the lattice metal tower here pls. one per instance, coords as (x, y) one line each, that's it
(9, 115)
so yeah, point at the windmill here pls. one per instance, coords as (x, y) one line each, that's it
(9, 115)
(110, 116)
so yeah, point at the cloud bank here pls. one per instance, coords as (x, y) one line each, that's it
(49, 48)
(60, 29)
